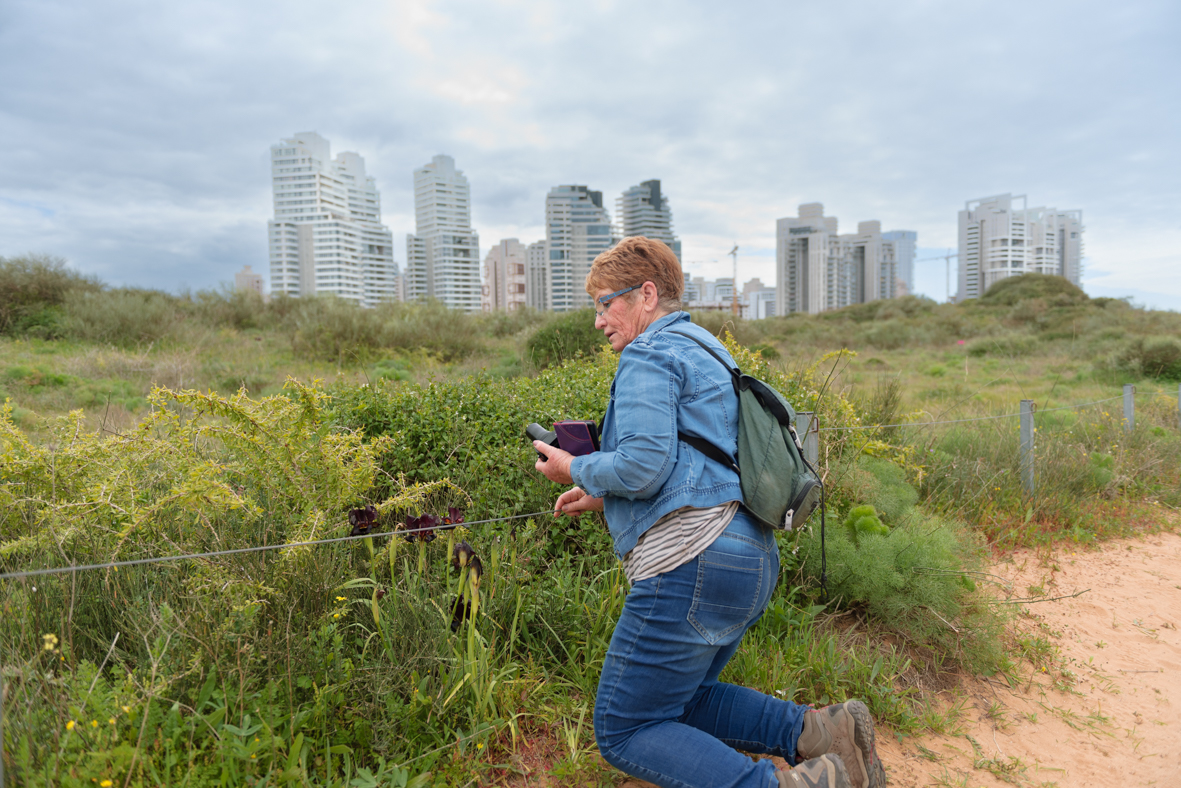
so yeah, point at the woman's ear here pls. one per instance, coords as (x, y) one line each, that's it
(651, 295)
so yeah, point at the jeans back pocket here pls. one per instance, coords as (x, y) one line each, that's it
(728, 588)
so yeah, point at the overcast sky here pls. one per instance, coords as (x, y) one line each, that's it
(135, 136)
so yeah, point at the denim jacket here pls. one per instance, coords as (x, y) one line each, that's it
(664, 383)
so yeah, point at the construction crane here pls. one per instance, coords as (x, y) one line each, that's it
(734, 291)
(946, 258)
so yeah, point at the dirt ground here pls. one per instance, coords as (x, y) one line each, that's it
(1115, 722)
(1105, 713)
(1118, 724)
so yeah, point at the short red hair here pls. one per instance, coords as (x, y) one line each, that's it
(634, 261)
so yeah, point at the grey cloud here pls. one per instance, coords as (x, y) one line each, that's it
(144, 128)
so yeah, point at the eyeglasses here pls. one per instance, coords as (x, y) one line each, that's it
(606, 300)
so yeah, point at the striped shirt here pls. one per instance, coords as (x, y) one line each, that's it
(676, 539)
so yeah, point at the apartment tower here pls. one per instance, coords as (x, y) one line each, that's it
(443, 255)
(819, 269)
(644, 210)
(505, 279)
(577, 230)
(327, 235)
(1000, 237)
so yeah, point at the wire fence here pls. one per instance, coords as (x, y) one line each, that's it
(1026, 457)
(961, 421)
(59, 570)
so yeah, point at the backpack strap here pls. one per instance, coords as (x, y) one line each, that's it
(701, 444)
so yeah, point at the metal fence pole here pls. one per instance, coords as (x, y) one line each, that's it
(1129, 408)
(1028, 478)
(808, 428)
(1, 719)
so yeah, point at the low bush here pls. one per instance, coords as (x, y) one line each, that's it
(565, 336)
(1003, 345)
(1015, 289)
(918, 576)
(33, 291)
(126, 317)
(1156, 357)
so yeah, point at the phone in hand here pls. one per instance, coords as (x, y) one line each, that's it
(576, 437)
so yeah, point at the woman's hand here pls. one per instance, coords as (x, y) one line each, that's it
(576, 501)
(556, 466)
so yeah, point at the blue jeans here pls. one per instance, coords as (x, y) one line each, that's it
(661, 714)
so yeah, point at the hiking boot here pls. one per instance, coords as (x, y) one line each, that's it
(827, 771)
(847, 730)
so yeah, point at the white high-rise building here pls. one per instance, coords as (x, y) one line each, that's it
(998, 239)
(443, 256)
(327, 235)
(819, 269)
(505, 278)
(577, 230)
(644, 210)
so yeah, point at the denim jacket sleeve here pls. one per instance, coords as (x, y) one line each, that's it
(645, 395)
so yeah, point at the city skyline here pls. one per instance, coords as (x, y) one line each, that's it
(136, 135)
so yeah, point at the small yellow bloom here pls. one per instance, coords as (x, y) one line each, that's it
(336, 615)
(70, 725)
(106, 784)
(340, 599)
(480, 746)
(94, 723)
(49, 642)
(253, 756)
(126, 709)
(111, 720)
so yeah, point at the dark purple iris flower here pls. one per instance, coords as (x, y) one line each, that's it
(362, 520)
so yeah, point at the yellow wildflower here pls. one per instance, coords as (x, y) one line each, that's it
(94, 723)
(106, 784)
(126, 709)
(340, 599)
(49, 642)
(111, 720)
(336, 615)
(70, 725)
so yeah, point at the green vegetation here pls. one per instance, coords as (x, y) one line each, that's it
(375, 661)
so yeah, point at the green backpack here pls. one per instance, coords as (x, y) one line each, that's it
(779, 487)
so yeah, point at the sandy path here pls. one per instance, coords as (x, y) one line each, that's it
(1120, 722)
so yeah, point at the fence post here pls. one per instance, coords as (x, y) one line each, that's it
(808, 428)
(1028, 477)
(1179, 406)
(1129, 408)
(2, 719)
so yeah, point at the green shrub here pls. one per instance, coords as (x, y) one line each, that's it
(33, 288)
(863, 521)
(880, 484)
(506, 323)
(431, 326)
(232, 308)
(126, 317)
(745, 332)
(1004, 345)
(1015, 289)
(564, 337)
(1152, 357)
(913, 578)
